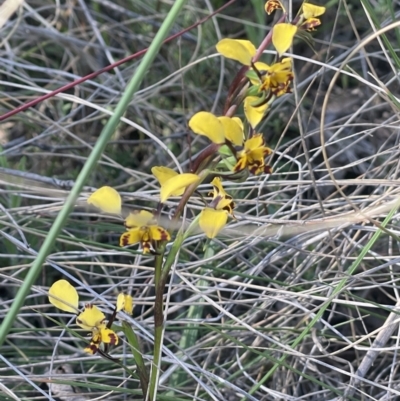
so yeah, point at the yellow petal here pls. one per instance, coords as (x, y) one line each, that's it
(158, 233)
(131, 237)
(205, 123)
(282, 37)
(312, 11)
(107, 199)
(262, 67)
(241, 163)
(64, 296)
(211, 221)
(163, 173)
(233, 130)
(255, 142)
(235, 49)
(175, 184)
(254, 114)
(92, 317)
(239, 121)
(128, 307)
(120, 301)
(218, 188)
(138, 219)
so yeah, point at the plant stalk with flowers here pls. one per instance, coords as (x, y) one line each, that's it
(236, 150)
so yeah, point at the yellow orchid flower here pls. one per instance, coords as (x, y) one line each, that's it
(214, 217)
(254, 114)
(310, 12)
(221, 200)
(282, 36)
(143, 228)
(65, 297)
(237, 49)
(277, 77)
(106, 199)
(171, 182)
(217, 129)
(252, 156)
(272, 5)
(93, 319)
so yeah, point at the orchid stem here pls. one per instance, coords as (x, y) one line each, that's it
(159, 285)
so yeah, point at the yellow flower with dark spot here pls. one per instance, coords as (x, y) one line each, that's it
(93, 319)
(65, 297)
(277, 77)
(214, 217)
(309, 16)
(252, 156)
(143, 228)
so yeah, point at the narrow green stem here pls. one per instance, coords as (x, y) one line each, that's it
(159, 285)
(88, 168)
(137, 355)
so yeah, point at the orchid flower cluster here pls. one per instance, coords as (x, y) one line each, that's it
(65, 297)
(235, 151)
(236, 148)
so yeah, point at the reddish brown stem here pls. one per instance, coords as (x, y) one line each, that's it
(204, 154)
(238, 81)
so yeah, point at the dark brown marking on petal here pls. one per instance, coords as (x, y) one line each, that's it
(146, 246)
(272, 6)
(255, 168)
(164, 234)
(113, 338)
(311, 24)
(91, 348)
(229, 208)
(267, 169)
(124, 240)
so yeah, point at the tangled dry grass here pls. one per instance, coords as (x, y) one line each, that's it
(293, 251)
